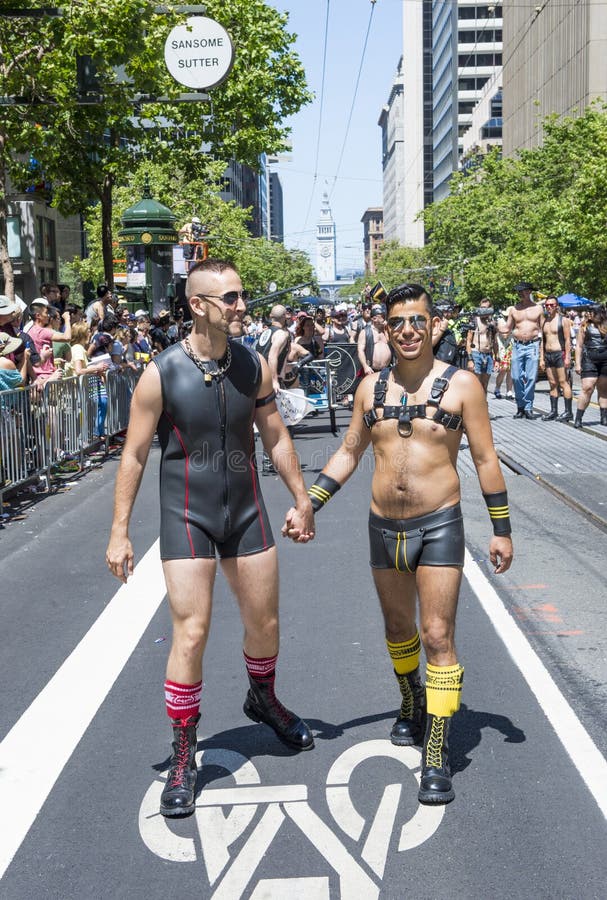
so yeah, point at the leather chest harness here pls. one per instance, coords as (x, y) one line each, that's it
(404, 413)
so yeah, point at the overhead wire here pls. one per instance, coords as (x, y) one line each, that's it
(360, 68)
(322, 100)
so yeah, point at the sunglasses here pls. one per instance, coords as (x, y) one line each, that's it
(229, 298)
(550, 305)
(417, 322)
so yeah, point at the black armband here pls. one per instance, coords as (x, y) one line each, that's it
(499, 513)
(322, 490)
(263, 401)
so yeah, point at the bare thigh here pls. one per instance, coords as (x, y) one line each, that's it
(254, 582)
(397, 595)
(438, 589)
(190, 589)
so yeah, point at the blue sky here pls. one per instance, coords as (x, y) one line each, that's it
(359, 182)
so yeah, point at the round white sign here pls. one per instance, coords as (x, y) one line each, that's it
(200, 53)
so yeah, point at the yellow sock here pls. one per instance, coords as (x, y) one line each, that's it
(405, 656)
(443, 689)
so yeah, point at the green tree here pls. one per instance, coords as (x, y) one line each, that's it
(87, 150)
(539, 216)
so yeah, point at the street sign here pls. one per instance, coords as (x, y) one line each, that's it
(199, 54)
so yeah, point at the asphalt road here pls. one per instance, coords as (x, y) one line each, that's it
(528, 744)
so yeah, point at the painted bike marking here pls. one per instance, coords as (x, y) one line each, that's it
(217, 831)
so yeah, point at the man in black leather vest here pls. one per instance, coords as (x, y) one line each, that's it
(202, 395)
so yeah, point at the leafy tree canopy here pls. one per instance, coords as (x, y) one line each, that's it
(540, 217)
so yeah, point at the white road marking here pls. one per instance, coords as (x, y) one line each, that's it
(29, 771)
(584, 754)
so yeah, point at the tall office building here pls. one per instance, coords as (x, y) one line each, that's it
(466, 51)
(392, 157)
(556, 62)
(277, 227)
(373, 235)
(415, 119)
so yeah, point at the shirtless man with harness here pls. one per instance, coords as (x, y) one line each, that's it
(413, 413)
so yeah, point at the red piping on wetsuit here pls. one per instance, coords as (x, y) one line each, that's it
(253, 479)
(187, 483)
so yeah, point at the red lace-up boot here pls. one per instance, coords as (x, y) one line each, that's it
(178, 796)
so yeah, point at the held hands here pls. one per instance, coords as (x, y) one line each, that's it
(501, 553)
(120, 557)
(299, 524)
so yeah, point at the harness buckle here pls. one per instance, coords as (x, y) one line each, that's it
(439, 386)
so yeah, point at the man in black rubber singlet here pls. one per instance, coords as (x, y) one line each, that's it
(202, 395)
(413, 412)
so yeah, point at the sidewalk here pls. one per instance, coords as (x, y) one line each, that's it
(571, 462)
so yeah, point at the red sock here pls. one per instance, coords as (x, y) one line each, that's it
(182, 700)
(262, 670)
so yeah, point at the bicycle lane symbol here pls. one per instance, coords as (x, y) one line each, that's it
(217, 831)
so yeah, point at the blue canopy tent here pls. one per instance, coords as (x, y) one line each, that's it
(570, 301)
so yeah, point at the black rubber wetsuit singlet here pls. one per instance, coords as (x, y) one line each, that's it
(209, 490)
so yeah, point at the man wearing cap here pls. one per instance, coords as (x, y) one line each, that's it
(374, 350)
(338, 332)
(524, 321)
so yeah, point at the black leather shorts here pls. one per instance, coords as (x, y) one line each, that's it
(436, 539)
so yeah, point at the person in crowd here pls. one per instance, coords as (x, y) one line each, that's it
(176, 330)
(64, 296)
(51, 292)
(504, 359)
(101, 307)
(338, 331)
(414, 413)
(62, 352)
(12, 377)
(105, 343)
(207, 391)
(191, 236)
(275, 343)
(159, 331)
(362, 320)
(373, 349)
(306, 336)
(555, 357)
(591, 363)
(525, 321)
(320, 322)
(43, 336)
(81, 339)
(142, 346)
(481, 344)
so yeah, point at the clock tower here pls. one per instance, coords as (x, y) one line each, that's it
(325, 244)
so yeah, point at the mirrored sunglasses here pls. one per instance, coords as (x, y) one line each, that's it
(417, 322)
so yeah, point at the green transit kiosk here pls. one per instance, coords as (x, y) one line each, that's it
(146, 241)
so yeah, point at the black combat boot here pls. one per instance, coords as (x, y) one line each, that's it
(578, 418)
(262, 705)
(566, 416)
(603, 415)
(554, 410)
(409, 726)
(435, 785)
(520, 413)
(178, 796)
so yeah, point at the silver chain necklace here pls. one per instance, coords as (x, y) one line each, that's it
(202, 363)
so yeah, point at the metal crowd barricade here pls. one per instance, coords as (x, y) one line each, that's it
(325, 399)
(63, 419)
(120, 386)
(40, 427)
(23, 437)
